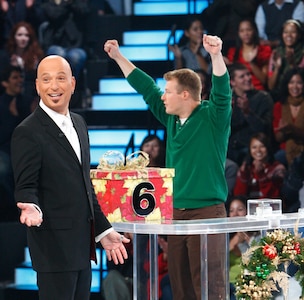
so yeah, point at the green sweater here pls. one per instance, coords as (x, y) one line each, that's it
(197, 149)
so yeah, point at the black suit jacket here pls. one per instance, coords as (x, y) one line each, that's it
(48, 173)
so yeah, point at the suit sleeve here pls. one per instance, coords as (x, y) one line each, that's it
(26, 162)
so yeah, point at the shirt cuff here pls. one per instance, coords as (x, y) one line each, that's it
(102, 235)
(39, 209)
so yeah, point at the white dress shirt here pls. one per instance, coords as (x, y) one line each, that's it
(64, 122)
(66, 125)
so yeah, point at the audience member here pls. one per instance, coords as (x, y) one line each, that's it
(91, 31)
(222, 17)
(286, 56)
(165, 291)
(271, 15)
(189, 52)
(15, 11)
(231, 169)
(164, 286)
(23, 50)
(155, 147)
(206, 83)
(288, 117)
(239, 242)
(251, 53)
(260, 176)
(14, 107)
(251, 112)
(63, 34)
(293, 185)
(118, 284)
(195, 129)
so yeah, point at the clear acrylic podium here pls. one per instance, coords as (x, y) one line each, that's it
(203, 228)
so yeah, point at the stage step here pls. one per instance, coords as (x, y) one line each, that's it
(149, 37)
(146, 8)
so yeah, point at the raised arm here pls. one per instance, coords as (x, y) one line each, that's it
(112, 48)
(213, 46)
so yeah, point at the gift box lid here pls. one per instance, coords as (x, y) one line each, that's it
(148, 172)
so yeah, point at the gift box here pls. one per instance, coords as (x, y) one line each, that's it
(141, 194)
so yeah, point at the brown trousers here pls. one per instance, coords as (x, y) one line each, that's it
(184, 258)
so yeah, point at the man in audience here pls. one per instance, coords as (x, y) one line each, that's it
(14, 107)
(251, 112)
(271, 15)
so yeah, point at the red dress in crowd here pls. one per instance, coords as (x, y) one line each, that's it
(262, 59)
(257, 185)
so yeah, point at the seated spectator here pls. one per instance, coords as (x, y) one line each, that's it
(288, 116)
(260, 176)
(14, 107)
(206, 83)
(118, 284)
(251, 112)
(189, 52)
(17, 11)
(97, 9)
(231, 169)
(221, 18)
(288, 55)
(63, 34)
(271, 15)
(165, 292)
(154, 146)
(239, 242)
(251, 53)
(164, 286)
(22, 49)
(293, 185)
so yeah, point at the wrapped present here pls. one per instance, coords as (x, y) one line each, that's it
(134, 194)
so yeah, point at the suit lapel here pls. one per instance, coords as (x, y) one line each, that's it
(53, 130)
(82, 137)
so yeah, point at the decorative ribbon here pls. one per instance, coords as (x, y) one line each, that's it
(115, 160)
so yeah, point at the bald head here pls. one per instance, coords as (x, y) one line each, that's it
(55, 83)
(53, 60)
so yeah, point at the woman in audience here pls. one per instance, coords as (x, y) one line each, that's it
(189, 52)
(288, 117)
(260, 176)
(286, 56)
(251, 53)
(154, 146)
(239, 241)
(23, 50)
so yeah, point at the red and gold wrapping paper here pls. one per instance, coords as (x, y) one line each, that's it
(141, 194)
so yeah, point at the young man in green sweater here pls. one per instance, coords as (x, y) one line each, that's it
(197, 139)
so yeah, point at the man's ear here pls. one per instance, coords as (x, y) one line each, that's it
(185, 94)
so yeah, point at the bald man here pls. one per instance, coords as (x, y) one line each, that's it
(51, 164)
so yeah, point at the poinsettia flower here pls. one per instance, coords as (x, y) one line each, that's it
(297, 247)
(270, 251)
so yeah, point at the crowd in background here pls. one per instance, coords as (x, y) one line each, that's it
(265, 60)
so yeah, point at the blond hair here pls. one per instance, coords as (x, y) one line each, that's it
(187, 80)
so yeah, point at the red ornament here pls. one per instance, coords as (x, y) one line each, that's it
(270, 251)
(297, 247)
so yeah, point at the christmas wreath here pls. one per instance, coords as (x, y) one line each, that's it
(264, 265)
